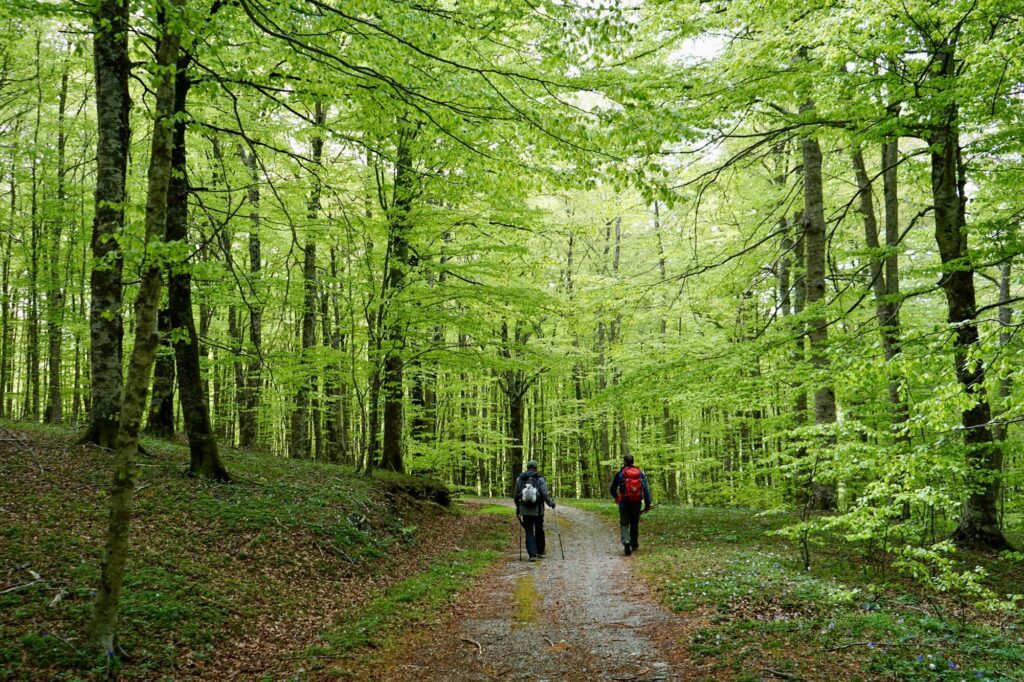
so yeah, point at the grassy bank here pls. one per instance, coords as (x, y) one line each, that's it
(225, 581)
(353, 645)
(759, 615)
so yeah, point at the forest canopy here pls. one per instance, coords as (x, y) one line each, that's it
(769, 249)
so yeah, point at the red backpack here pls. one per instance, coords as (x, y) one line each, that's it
(632, 490)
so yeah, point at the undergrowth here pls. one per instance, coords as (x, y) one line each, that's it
(759, 615)
(391, 612)
(210, 564)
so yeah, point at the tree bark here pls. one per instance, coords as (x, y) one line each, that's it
(103, 627)
(823, 495)
(892, 330)
(336, 438)
(160, 422)
(882, 268)
(204, 456)
(31, 393)
(979, 523)
(301, 446)
(1005, 336)
(514, 384)
(399, 263)
(248, 411)
(112, 68)
(54, 412)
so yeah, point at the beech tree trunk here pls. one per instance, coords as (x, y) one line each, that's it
(979, 523)
(1005, 336)
(588, 483)
(6, 341)
(249, 402)
(514, 384)
(891, 329)
(334, 340)
(301, 446)
(160, 422)
(823, 495)
(204, 456)
(112, 68)
(399, 263)
(55, 298)
(516, 434)
(884, 269)
(103, 627)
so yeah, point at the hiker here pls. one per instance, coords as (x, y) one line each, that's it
(630, 489)
(531, 494)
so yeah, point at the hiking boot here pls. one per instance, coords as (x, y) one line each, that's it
(534, 557)
(629, 550)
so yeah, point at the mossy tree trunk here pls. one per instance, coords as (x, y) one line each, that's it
(103, 628)
(113, 101)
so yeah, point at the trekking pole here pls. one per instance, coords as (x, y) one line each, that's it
(648, 509)
(520, 520)
(558, 529)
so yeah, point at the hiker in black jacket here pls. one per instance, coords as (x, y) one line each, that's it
(630, 490)
(531, 494)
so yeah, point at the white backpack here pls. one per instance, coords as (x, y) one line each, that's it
(529, 494)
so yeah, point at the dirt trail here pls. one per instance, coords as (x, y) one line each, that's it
(584, 618)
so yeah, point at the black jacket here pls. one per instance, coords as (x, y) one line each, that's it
(544, 497)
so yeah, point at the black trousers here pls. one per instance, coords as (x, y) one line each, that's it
(629, 524)
(534, 527)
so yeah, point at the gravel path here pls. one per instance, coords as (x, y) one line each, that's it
(584, 618)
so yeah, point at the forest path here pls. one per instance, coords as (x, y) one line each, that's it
(586, 617)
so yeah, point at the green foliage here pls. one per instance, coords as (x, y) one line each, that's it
(844, 617)
(601, 223)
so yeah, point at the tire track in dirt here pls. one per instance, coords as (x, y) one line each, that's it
(584, 618)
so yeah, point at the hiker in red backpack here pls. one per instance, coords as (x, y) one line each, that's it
(630, 490)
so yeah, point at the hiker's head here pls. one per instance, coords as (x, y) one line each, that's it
(531, 465)
(627, 460)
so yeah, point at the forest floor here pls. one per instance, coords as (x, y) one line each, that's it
(303, 571)
(245, 581)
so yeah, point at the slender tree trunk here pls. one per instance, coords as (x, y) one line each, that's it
(516, 434)
(668, 426)
(6, 343)
(892, 331)
(589, 485)
(979, 524)
(334, 441)
(112, 69)
(54, 412)
(204, 459)
(515, 384)
(301, 446)
(399, 263)
(248, 413)
(823, 495)
(1005, 336)
(31, 408)
(884, 272)
(237, 367)
(800, 346)
(160, 422)
(103, 628)
(884, 308)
